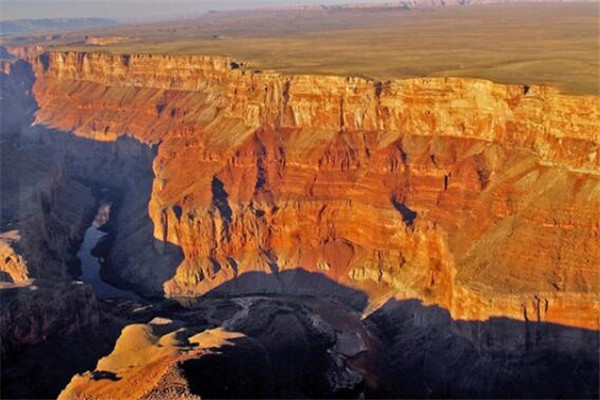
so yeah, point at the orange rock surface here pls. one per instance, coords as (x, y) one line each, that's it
(479, 197)
(145, 360)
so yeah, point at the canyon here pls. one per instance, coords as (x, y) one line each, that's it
(415, 189)
(359, 226)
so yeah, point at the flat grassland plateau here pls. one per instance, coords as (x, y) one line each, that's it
(555, 43)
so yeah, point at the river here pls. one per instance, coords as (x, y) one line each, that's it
(90, 264)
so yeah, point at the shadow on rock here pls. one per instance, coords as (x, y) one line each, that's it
(423, 352)
(430, 355)
(298, 281)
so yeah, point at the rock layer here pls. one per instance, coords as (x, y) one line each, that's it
(479, 197)
(237, 348)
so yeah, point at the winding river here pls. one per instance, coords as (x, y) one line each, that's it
(90, 264)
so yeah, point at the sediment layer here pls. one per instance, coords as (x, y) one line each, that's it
(476, 196)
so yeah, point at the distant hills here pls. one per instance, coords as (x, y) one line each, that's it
(385, 5)
(51, 25)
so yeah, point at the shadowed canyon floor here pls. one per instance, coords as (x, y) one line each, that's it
(293, 236)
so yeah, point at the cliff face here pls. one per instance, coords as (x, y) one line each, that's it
(43, 215)
(31, 315)
(479, 197)
(43, 211)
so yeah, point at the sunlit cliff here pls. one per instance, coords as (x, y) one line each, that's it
(478, 197)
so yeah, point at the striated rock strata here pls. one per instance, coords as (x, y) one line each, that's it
(476, 196)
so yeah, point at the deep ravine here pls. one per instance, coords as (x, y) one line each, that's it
(90, 263)
(403, 348)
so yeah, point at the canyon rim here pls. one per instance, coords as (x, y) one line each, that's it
(296, 202)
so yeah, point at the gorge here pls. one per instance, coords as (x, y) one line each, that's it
(360, 227)
(91, 263)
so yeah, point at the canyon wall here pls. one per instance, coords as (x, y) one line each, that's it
(30, 315)
(43, 211)
(52, 183)
(476, 196)
(43, 215)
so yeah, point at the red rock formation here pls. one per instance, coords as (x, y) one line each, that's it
(145, 361)
(476, 196)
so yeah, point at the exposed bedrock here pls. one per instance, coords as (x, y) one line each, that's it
(247, 347)
(43, 214)
(460, 195)
(29, 315)
(285, 346)
(479, 197)
(43, 211)
(52, 182)
(51, 185)
(428, 354)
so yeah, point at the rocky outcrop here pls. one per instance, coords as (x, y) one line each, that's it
(17, 105)
(44, 211)
(144, 360)
(430, 355)
(51, 184)
(475, 196)
(533, 118)
(43, 214)
(47, 227)
(14, 269)
(239, 347)
(29, 315)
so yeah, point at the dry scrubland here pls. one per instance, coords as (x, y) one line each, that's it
(515, 43)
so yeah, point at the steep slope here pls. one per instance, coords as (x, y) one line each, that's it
(235, 348)
(476, 196)
(43, 214)
(50, 186)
